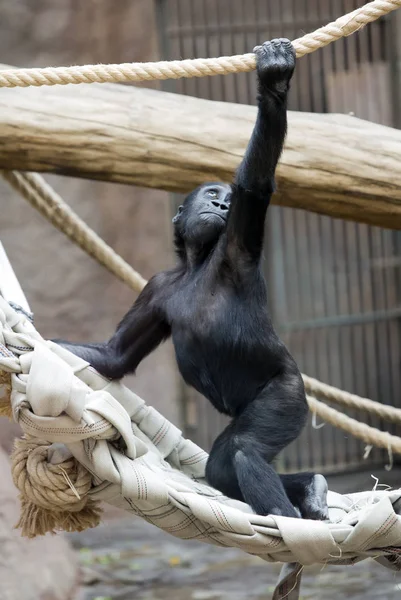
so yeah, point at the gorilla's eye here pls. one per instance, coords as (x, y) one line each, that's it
(212, 193)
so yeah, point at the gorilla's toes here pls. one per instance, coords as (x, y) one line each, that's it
(314, 505)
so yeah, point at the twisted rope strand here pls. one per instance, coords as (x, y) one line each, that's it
(370, 435)
(199, 67)
(44, 483)
(333, 394)
(53, 497)
(46, 200)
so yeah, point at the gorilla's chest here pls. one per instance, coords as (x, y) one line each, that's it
(200, 307)
(219, 337)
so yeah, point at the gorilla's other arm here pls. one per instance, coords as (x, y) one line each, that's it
(141, 330)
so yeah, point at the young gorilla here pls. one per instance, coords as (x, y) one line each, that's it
(214, 304)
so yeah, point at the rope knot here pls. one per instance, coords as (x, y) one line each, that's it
(53, 496)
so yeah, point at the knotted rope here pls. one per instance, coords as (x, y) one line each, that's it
(200, 67)
(53, 496)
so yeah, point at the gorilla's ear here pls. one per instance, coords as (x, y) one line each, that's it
(177, 216)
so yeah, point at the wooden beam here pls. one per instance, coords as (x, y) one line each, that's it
(335, 165)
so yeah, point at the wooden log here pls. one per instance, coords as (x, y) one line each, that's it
(335, 165)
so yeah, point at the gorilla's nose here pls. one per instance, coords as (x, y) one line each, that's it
(220, 205)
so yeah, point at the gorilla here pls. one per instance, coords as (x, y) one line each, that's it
(214, 305)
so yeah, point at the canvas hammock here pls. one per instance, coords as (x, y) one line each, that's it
(89, 439)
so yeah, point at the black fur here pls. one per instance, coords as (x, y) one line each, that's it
(214, 304)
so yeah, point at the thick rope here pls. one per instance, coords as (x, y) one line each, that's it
(333, 394)
(370, 435)
(56, 496)
(53, 496)
(200, 67)
(46, 200)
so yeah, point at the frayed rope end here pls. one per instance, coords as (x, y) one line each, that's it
(35, 520)
(53, 497)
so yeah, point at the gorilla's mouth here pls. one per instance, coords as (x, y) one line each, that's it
(211, 212)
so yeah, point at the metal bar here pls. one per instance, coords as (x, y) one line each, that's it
(343, 320)
(395, 57)
(164, 47)
(212, 14)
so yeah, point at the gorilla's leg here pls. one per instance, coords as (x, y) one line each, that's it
(308, 493)
(239, 462)
(237, 468)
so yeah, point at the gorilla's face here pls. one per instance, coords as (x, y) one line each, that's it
(203, 216)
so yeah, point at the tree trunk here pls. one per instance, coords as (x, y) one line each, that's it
(336, 165)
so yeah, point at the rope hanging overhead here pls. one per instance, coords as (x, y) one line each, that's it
(200, 67)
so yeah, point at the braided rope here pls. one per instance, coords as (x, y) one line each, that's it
(46, 200)
(370, 435)
(53, 497)
(166, 486)
(333, 394)
(45, 484)
(200, 67)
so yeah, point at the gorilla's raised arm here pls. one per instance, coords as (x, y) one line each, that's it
(254, 182)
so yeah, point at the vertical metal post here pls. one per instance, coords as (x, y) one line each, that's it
(395, 60)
